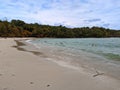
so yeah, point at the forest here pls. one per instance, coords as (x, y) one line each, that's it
(18, 28)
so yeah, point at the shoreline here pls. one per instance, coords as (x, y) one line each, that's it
(22, 67)
(65, 58)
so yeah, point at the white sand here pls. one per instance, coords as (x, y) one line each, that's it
(21, 70)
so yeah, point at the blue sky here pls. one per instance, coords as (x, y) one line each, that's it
(71, 13)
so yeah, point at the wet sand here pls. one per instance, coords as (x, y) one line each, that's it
(23, 67)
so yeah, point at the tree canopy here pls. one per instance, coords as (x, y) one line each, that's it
(18, 28)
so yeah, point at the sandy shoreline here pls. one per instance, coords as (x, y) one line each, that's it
(22, 67)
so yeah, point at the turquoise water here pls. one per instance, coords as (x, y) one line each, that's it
(102, 54)
(106, 47)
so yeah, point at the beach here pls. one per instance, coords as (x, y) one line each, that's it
(24, 67)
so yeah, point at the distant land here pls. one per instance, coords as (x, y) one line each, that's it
(18, 28)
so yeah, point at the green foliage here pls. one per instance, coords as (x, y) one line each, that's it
(17, 22)
(18, 28)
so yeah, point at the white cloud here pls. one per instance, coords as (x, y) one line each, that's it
(67, 12)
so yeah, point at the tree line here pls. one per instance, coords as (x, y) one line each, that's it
(18, 28)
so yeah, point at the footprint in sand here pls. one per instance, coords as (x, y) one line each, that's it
(5, 88)
(31, 82)
(1, 74)
(13, 74)
(48, 85)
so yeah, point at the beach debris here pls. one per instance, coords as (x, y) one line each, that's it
(97, 74)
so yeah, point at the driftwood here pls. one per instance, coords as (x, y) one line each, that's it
(97, 74)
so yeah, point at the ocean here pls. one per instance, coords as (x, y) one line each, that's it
(101, 54)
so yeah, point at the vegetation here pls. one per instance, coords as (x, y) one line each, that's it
(18, 28)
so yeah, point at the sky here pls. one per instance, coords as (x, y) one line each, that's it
(70, 13)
